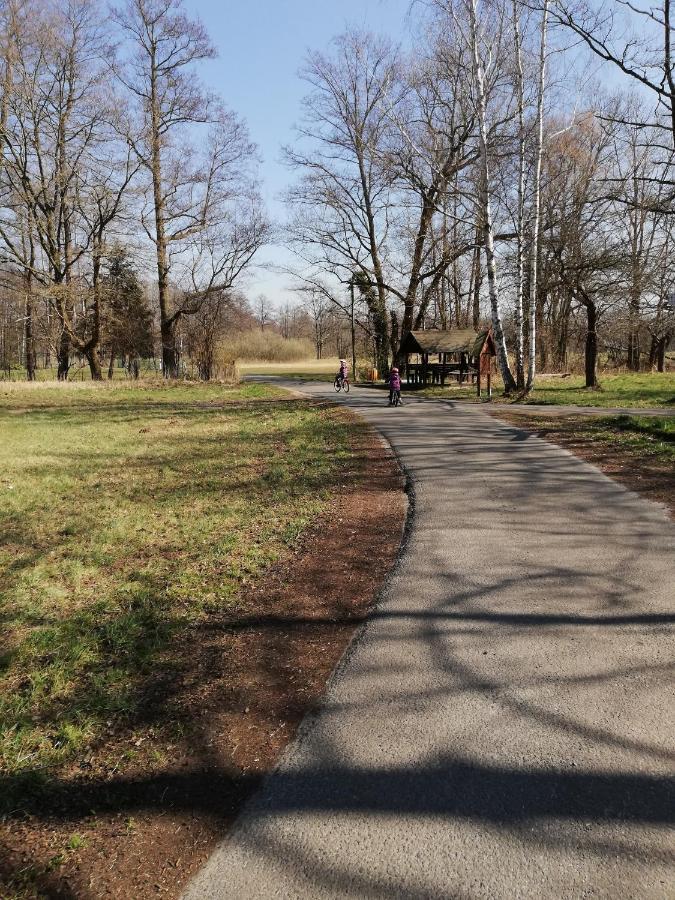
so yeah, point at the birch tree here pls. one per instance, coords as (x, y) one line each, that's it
(476, 38)
(536, 203)
(520, 214)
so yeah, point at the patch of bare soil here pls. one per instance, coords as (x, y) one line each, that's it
(647, 475)
(139, 823)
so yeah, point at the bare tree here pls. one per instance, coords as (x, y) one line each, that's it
(262, 310)
(203, 213)
(581, 239)
(64, 184)
(637, 40)
(536, 202)
(477, 39)
(343, 199)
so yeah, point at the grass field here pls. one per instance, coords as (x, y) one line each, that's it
(305, 370)
(643, 390)
(128, 511)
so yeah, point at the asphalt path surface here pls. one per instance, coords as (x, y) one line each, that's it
(503, 725)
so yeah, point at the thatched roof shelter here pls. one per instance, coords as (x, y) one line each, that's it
(461, 353)
(435, 340)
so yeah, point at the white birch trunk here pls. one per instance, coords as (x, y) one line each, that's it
(488, 230)
(536, 202)
(520, 226)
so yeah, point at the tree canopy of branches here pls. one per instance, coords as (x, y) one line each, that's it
(461, 186)
(107, 137)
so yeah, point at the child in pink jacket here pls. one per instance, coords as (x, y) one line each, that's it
(394, 385)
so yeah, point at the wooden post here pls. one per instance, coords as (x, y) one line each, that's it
(353, 330)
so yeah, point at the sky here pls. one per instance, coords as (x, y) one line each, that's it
(261, 46)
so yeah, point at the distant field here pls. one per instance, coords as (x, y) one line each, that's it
(319, 369)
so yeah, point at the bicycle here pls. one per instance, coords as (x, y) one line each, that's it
(341, 384)
(396, 399)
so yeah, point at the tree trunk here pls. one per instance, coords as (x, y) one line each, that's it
(520, 248)
(381, 329)
(93, 345)
(94, 361)
(352, 329)
(31, 360)
(170, 354)
(477, 278)
(395, 336)
(63, 356)
(486, 211)
(661, 352)
(633, 356)
(591, 355)
(536, 203)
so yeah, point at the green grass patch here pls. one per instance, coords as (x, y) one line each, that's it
(652, 436)
(127, 512)
(644, 390)
(647, 390)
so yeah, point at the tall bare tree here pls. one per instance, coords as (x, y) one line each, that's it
(342, 203)
(203, 214)
(478, 39)
(536, 201)
(63, 181)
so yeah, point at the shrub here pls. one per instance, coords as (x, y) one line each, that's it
(267, 346)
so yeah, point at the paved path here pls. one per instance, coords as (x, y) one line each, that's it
(503, 727)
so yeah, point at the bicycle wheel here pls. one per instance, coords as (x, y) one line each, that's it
(345, 386)
(337, 385)
(397, 399)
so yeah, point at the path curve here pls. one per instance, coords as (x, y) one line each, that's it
(503, 726)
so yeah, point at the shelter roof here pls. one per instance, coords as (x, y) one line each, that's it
(436, 340)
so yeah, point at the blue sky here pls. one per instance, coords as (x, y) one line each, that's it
(261, 46)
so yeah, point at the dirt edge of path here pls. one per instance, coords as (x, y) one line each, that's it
(247, 679)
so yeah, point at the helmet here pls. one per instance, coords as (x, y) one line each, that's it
(394, 369)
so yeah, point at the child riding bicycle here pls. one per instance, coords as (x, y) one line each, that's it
(342, 374)
(394, 386)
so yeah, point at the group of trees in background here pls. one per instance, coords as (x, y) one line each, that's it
(465, 177)
(461, 183)
(127, 191)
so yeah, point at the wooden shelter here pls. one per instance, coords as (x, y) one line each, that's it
(438, 354)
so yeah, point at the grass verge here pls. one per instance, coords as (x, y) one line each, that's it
(128, 512)
(647, 390)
